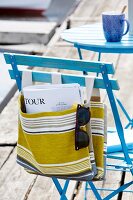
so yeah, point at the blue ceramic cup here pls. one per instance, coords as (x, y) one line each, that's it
(114, 26)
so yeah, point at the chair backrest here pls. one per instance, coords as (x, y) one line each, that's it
(17, 60)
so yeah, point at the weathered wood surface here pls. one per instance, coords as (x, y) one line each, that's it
(25, 186)
(32, 48)
(16, 32)
(46, 190)
(4, 154)
(8, 123)
(14, 181)
(128, 195)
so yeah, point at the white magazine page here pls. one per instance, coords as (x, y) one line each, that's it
(54, 97)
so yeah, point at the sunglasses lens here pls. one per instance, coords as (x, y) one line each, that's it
(82, 139)
(83, 116)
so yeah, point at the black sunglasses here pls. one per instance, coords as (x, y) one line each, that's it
(82, 118)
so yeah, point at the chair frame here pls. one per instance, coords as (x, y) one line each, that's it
(79, 65)
(129, 124)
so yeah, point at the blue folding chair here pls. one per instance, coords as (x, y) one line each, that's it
(103, 82)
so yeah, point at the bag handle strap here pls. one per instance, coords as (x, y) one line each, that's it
(56, 78)
(89, 82)
(96, 95)
(26, 79)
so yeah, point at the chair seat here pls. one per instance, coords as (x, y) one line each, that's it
(113, 141)
(114, 148)
(120, 155)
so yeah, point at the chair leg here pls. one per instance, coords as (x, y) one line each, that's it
(86, 185)
(61, 191)
(81, 58)
(64, 190)
(94, 189)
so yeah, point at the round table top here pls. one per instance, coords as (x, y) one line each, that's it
(91, 37)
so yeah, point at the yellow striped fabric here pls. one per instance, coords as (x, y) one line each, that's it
(99, 136)
(46, 143)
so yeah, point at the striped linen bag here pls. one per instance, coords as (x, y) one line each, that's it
(46, 145)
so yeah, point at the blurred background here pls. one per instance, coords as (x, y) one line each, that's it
(27, 27)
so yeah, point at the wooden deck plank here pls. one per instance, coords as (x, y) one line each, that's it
(41, 190)
(48, 191)
(86, 8)
(128, 195)
(8, 123)
(16, 32)
(4, 154)
(14, 181)
(116, 5)
(89, 8)
(31, 48)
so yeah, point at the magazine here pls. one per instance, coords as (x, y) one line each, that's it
(52, 97)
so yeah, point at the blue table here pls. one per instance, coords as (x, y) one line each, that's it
(91, 37)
